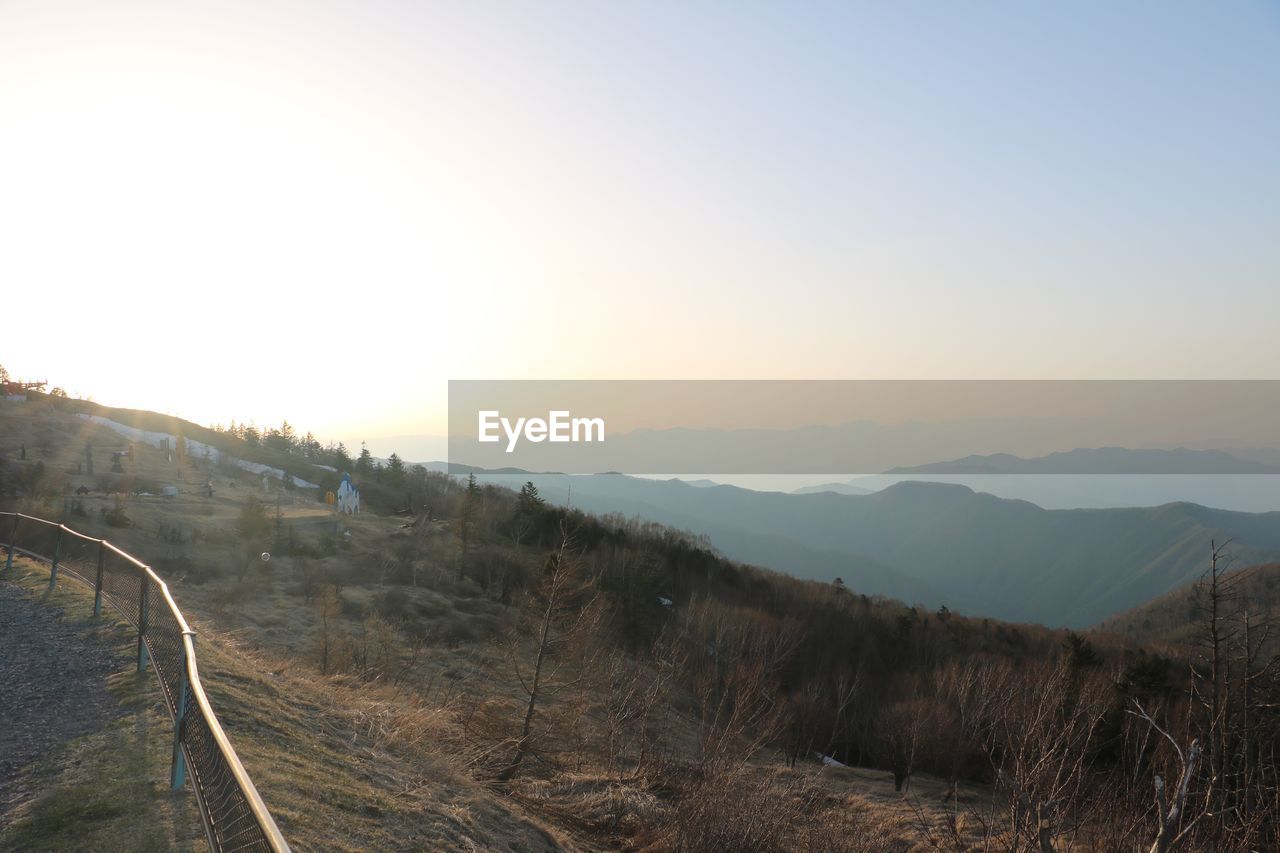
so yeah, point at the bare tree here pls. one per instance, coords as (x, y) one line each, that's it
(1214, 595)
(734, 657)
(634, 690)
(569, 609)
(1173, 826)
(1040, 742)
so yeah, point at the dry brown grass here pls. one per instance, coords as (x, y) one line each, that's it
(343, 765)
(347, 766)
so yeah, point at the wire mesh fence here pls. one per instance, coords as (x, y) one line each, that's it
(234, 816)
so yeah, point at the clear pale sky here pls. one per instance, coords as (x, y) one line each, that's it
(324, 211)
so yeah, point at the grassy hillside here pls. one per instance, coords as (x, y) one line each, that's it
(924, 543)
(489, 669)
(342, 766)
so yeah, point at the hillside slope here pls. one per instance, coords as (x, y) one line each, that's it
(1172, 618)
(369, 673)
(379, 674)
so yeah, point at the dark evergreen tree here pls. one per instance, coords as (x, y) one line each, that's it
(364, 464)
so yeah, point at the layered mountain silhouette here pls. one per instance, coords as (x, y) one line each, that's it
(937, 544)
(1101, 460)
(1099, 478)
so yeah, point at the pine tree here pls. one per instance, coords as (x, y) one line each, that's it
(529, 501)
(529, 507)
(395, 472)
(341, 458)
(467, 520)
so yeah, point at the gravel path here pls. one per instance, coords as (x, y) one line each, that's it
(53, 685)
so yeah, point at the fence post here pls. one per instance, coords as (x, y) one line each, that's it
(57, 553)
(13, 542)
(178, 770)
(142, 623)
(97, 582)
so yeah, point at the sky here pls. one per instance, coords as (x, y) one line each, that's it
(325, 211)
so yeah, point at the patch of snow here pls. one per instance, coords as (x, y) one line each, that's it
(259, 468)
(828, 761)
(154, 439)
(196, 448)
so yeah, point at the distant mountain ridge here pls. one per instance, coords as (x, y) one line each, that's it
(838, 488)
(943, 544)
(1100, 460)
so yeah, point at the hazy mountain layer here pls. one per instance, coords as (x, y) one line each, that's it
(945, 544)
(1100, 460)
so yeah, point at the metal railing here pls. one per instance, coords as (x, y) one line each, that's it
(234, 816)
